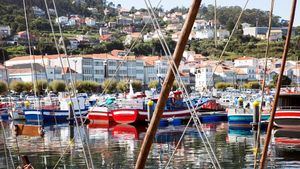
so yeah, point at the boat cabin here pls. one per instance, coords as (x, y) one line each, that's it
(289, 101)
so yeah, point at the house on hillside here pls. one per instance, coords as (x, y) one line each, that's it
(5, 31)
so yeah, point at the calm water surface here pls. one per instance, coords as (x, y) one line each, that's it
(118, 146)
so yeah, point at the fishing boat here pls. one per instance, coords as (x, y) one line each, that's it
(56, 113)
(214, 116)
(288, 111)
(244, 114)
(4, 111)
(140, 110)
(101, 111)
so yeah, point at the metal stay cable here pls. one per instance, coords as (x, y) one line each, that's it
(5, 143)
(127, 53)
(72, 82)
(229, 38)
(257, 148)
(32, 61)
(178, 78)
(176, 72)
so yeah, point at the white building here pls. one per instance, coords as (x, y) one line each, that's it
(246, 61)
(62, 20)
(5, 31)
(204, 34)
(203, 77)
(90, 21)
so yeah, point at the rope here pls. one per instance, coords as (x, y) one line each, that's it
(176, 72)
(257, 151)
(5, 145)
(71, 79)
(229, 38)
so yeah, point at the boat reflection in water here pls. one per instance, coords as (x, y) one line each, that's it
(117, 146)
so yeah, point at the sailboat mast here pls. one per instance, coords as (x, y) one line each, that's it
(278, 87)
(167, 85)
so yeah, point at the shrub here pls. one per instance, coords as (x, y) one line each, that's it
(122, 86)
(57, 86)
(17, 86)
(109, 85)
(137, 85)
(153, 84)
(3, 87)
(223, 85)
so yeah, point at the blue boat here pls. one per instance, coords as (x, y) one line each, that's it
(244, 119)
(4, 114)
(57, 115)
(208, 117)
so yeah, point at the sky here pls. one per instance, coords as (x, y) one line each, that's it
(281, 8)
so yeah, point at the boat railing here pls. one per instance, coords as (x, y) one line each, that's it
(289, 107)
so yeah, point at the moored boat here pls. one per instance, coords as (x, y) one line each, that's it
(288, 111)
(52, 113)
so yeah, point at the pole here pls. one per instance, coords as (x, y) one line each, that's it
(215, 19)
(167, 85)
(284, 56)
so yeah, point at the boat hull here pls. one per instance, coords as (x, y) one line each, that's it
(127, 116)
(213, 117)
(50, 115)
(244, 118)
(100, 114)
(287, 119)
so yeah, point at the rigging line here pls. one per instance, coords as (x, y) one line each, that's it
(126, 56)
(56, 44)
(5, 144)
(229, 38)
(128, 52)
(10, 101)
(177, 73)
(32, 62)
(170, 59)
(279, 84)
(263, 85)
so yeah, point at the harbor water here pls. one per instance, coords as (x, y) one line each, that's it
(117, 146)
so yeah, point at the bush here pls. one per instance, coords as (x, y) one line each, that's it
(88, 87)
(57, 86)
(223, 85)
(41, 86)
(3, 87)
(109, 85)
(17, 86)
(28, 86)
(153, 84)
(122, 86)
(137, 85)
(252, 85)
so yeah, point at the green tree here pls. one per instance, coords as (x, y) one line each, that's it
(41, 86)
(17, 86)
(3, 87)
(57, 86)
(252, 85)
(153, 84)
(122, 86)
(109, 85)
(223, 85)
(137, 85)
(286, 81)
(28, 86)
(88, 87)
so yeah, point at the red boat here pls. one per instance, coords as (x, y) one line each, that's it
(175, 108)
(100, 115)
(288, 111)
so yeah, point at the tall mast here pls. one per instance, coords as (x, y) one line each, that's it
(167, 85)
(284, 56)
